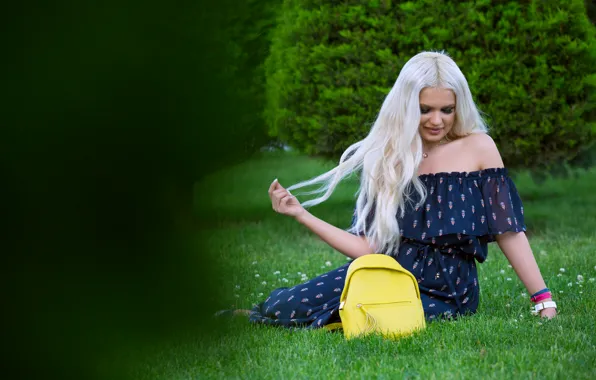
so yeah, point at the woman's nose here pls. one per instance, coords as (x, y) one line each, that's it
(435, 119)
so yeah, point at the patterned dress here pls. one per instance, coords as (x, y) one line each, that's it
(441, 242)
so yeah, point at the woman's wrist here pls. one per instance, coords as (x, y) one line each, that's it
(545, 300)
(301, 216)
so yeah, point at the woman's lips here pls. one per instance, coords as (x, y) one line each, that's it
(434, 131)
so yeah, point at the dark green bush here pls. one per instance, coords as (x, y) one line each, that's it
(531, 66)
(247, 39)
(591, 9)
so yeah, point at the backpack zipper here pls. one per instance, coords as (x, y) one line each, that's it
(360, 305)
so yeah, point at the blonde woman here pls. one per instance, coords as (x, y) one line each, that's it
(433, 194)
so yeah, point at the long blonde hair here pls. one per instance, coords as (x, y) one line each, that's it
(390, 155)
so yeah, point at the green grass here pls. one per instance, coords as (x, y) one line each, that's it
(503, 340)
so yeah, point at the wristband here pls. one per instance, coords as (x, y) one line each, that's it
(541, 297)
(543, 305)
(540, 292)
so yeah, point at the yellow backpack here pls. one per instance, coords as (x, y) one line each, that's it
(379, 296)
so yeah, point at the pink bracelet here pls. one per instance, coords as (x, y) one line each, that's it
(541, 297)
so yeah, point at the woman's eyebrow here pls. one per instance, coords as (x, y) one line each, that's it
(447, 106)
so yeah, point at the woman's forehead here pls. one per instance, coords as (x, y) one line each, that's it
(437, 96)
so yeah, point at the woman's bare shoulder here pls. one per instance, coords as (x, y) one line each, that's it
(478, 139)
(483, 148)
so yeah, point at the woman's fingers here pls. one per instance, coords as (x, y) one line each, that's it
(280, 197)
(276, 196)
(273, 186)
(284, 201)
(548, 313)
(279, 194)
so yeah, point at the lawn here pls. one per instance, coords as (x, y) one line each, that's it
(262, 250)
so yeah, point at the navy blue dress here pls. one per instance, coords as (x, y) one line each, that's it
(441, 242)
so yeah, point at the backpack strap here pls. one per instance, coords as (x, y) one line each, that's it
(334, 326)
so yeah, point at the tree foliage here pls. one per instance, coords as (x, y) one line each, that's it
(531, 66)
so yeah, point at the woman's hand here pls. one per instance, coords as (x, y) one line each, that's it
(283, 202)
(548, 313)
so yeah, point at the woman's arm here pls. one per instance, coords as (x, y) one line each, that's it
(285, 203)
(516, 248)
(515, 245)
(350, 245)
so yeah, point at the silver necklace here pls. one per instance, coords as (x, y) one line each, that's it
(425, 154)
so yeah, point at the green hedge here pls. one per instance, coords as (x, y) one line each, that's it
(247, 40)
(531, 66)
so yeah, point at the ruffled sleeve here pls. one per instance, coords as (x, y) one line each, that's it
(501, 204)
(483, 203)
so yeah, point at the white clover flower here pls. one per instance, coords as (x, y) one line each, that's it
(237, 286)
(328, 263)
(560, 291)
(260, 295)
(521, 316)
(257, 275)
(562, 270)
(539, 323)
(570, 284)
(502, 271)
(254, 263)
(524, 294)
(580, 292)
(508, 278)
(348, 259)
(284, 279)
(543, 253)
(559, 275)
(509, 266)
(276, 272)
(507, 305)
(515, 320)
(264, 283)
(299, 273)
(485, 278)
(580, 278)
(592, 279)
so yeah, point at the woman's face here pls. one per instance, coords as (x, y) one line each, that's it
(437, 113)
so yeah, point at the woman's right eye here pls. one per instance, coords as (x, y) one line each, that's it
(424, 110)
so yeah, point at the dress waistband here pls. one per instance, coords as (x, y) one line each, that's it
(435, 252)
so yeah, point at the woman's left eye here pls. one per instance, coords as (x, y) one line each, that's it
(447, 110)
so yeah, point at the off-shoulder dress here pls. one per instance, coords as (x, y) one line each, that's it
(441, 242)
